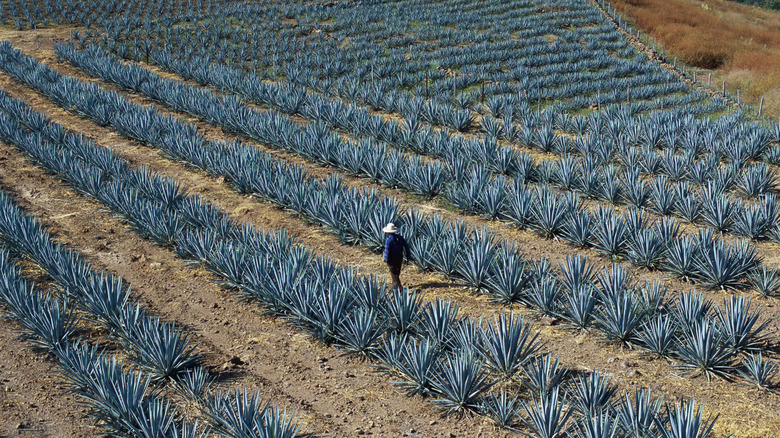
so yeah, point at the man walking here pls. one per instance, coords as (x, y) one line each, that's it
(395, 247)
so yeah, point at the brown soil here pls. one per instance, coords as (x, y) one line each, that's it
(333, 394)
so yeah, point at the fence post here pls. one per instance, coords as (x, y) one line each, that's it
(760, 106)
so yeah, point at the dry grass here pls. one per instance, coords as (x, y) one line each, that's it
(741, 44)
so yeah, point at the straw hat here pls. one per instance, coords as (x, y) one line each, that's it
(390, 228)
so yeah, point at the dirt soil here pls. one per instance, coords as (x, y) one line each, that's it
(335, 395)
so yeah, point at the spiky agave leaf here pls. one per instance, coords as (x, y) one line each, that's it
(460, 384)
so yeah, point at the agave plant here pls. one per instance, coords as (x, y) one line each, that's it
(460, 384)
(766, 281)
(620, 317)
(508, 344)
(437, 320)
(658, 336)
(547, 415)
(639, 416)
(702, 351)
(601, 425)
(360, 333)
(593, 394)
(579, 306)
(504, 411)
(543, 375)
(685, 422)
(681, 258)
(507, 283)
(239, 414)
(724, 267)
(758, 371)
(739, 325)
(417, 367)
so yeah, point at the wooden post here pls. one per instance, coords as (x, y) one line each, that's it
(709, 80)
(724, 88)
(760, 106)
(739, 100)
(694, 76)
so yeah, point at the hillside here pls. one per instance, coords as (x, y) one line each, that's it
(740, 44)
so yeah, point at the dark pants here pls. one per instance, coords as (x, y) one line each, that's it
(395, 271)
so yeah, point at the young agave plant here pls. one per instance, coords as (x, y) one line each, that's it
(547, 415)
(620, 317)
(600, 425)
(766, 281)
(657, 336)
(759, 371)
(638, 417)
(685, 422)
(594, 394)
(578, 307)
(504, 411)
(703, 351)
(739, 325)
(542, 375)
(360, 333)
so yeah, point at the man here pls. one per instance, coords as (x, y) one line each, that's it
(395, 246)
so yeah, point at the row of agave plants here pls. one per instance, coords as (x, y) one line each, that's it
(34, 14)
(582, 66)
(426, 346)
(617, 309)
(124, 391)
(704, 259)
(592, 175)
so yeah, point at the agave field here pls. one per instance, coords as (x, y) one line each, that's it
(192, 197)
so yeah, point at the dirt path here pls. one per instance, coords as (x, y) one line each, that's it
(31, 400)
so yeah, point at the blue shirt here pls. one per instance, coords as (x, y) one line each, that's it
(395, 245)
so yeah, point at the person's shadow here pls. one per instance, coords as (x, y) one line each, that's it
(432, 284)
